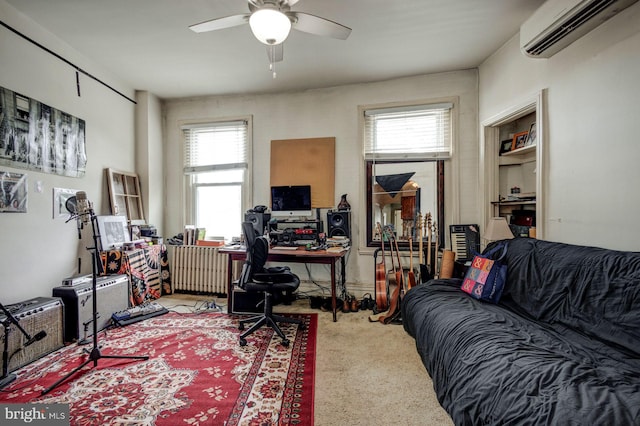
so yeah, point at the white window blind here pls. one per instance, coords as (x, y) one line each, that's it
(216, 146)
(417, 132)
(216, 167)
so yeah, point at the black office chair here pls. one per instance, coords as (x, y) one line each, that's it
(255, 277)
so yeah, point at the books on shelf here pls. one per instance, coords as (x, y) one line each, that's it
(192, 234)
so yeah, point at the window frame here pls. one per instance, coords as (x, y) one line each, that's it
(189, 185)
(446, 171)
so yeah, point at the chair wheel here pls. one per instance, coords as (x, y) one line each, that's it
(243, 342)
(241, 326)
(285, 343)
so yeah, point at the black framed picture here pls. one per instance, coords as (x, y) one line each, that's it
(505, 146)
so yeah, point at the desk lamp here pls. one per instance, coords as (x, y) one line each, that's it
(497, 229)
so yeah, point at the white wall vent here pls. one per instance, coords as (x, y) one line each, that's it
(558, 23)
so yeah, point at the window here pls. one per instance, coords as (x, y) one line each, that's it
(216, 169)
(405, 148)
(125, 196)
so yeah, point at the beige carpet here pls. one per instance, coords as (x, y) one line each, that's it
(366, 373)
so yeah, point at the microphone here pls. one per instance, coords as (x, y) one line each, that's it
(39, 336)
(83, 206)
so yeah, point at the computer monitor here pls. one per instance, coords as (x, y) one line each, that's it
(291, 201)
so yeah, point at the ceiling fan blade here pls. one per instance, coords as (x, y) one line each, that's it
(275, 53)
(312, 24)
(220, 23)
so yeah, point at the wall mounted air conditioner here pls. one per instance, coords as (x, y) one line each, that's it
(558, 23)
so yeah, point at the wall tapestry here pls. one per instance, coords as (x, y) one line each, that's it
(38, 137)
(13, 192)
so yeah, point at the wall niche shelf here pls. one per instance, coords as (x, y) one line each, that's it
(518, 173)
(520, 151)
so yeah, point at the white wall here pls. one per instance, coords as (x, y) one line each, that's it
(149, 159)
(330, 112)
(592, 142)
(37, 251)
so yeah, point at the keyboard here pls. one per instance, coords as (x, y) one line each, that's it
(284, 248)
(465, 241)
(138, 313)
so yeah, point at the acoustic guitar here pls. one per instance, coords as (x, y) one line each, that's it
(382, 285)
(411, 277)
(394, 307)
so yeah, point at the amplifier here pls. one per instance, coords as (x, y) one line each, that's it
(294, 236)
(112, 294)
(35, 315)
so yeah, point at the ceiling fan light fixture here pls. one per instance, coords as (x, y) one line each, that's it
(270, 26)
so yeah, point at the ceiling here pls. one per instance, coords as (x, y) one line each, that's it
(147, 43)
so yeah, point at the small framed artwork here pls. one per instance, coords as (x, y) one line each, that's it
(60, 197)
(519, 140)
(505, 146)
(13, 192)
(114, 232)
(531, 138)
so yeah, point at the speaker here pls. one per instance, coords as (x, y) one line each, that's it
(338, 223)
(35, 315)
(112, 294)
(259, 220)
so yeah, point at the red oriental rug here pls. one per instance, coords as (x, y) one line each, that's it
(196, 374)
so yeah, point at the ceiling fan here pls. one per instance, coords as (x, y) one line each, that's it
(271, 21)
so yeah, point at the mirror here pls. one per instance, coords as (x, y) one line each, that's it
(401, 192)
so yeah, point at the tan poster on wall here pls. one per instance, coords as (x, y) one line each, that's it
(306, 162)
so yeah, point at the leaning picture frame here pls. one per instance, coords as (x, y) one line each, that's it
(505, 146)
(531, 137)
(114, 231)
(519, 140)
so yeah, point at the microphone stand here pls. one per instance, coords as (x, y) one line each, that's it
(94, 354)
(6, 323)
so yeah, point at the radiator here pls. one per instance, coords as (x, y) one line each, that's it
(199, 269)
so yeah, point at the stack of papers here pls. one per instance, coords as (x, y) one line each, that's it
(338, 241)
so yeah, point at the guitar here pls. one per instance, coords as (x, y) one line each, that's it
(436, 272)
(394, 306)
(422, 268)
(382, 287)
(411, 278)
(428, 275)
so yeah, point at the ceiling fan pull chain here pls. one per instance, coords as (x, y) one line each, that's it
(272, 65)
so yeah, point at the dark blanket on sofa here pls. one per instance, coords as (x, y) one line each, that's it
(561, 348)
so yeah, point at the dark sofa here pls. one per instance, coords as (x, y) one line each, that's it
(562, 346)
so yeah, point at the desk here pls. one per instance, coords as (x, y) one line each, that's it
(147, 269)
(292, 256)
